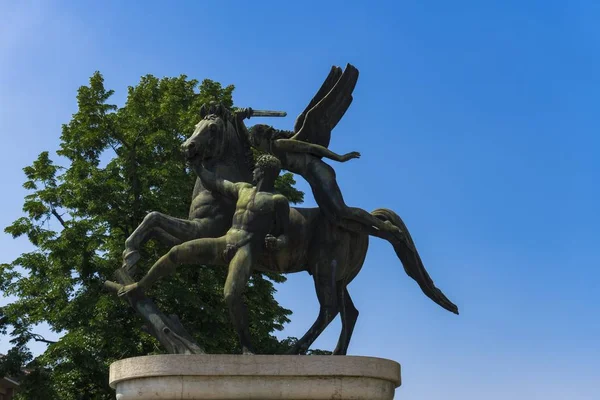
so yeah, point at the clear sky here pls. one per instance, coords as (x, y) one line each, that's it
(477, 122)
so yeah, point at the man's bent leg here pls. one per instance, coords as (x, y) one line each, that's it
(199, 251)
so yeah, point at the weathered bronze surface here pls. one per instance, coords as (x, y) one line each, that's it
(248, 227)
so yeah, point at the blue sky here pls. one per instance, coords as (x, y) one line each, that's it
(477, 122)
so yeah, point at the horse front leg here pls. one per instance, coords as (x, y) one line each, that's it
(169, 231)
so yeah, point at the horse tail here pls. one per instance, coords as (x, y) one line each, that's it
(408, 255)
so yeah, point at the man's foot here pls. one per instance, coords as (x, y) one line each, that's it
(397, 232)
(391, 228)
(246, 351)
(248, 348)
(128, 288)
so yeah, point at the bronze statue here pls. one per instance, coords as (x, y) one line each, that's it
(320, 242)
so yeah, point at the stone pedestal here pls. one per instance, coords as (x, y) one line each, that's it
(261, 377)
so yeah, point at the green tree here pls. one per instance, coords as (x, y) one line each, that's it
(118, 163)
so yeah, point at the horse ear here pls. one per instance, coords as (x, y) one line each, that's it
(203, 111)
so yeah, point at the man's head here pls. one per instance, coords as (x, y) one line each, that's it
(261, 136)
(267, 167)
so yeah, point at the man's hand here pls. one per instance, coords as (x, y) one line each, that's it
(229, 252)
(271, 243)
(350, 156)
(243, 113)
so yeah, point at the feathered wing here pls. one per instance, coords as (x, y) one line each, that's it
(408, 255)
(316, 124)
(325, 88)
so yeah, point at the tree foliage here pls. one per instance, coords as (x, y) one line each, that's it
(116, 164)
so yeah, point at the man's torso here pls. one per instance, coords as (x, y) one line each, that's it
(254, 216)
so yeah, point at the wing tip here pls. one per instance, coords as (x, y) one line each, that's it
(351, 68)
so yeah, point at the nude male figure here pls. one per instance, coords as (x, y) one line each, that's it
(259, 214)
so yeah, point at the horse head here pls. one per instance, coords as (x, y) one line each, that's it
(216, 140)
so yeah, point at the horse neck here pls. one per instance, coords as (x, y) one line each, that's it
(233, 169)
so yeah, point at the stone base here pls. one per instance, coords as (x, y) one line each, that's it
(265, 377)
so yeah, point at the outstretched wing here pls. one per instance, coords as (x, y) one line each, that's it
(413, 266)
(319, 120)
(330, 81)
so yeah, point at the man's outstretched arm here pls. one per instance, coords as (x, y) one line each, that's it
(212, 182)
(296, 146)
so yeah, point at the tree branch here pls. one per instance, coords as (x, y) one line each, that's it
(40, 338)
(114, 148)
(58, 217)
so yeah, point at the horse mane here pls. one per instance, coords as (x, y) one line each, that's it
(231, 127)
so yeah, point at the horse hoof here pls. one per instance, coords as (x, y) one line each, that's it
(130, 258)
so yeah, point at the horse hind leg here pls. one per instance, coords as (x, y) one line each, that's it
(325, 286)
(349, 315)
